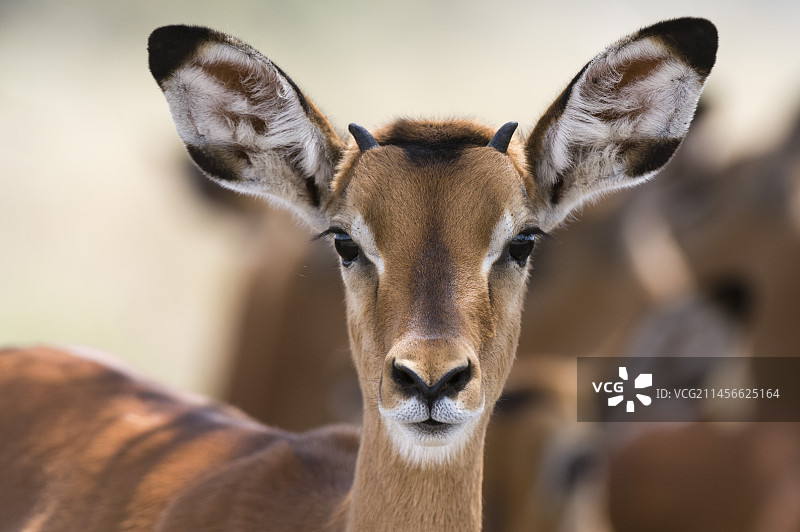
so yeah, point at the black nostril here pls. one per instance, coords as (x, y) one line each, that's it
(453, 381)
(456, 380)
(406, 379)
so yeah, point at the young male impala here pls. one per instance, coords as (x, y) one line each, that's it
(434, 223)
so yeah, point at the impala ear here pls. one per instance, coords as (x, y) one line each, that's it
(622, 117)
(244, 122)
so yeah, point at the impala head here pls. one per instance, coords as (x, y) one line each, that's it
(434, 224)
(434, 221)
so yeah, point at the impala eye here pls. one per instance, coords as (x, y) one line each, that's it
(346, 248)
(521, 247)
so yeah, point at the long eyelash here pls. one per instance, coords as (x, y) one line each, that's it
(546, 236)
(535, 231)
(333, 230)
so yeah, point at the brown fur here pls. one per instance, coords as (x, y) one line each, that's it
(140, 455)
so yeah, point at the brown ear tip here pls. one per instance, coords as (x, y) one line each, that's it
(171, 46)
(695, 39)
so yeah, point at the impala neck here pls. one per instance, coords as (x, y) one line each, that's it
(390, 493)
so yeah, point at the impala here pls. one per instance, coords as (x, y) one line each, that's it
(434, 223)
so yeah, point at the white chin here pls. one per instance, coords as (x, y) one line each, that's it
(429, 444)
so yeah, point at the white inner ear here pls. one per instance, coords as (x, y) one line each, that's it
(249, 108)
(600, 115)
(634, 91)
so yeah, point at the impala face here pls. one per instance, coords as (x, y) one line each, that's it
(434, 221)
(434, 247)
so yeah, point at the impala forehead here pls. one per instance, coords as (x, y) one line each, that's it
(395, 206)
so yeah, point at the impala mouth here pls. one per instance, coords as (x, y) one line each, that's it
(432, 432)
(430, 441)
(427, 434)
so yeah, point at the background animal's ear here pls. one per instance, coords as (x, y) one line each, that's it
(622, 117)
(244, 122)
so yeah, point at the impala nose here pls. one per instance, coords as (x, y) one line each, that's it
(452, 382)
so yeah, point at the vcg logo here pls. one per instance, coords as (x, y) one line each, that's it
(644, 380)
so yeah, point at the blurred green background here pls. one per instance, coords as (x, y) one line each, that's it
(103, 241)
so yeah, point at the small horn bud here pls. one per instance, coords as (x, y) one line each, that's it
(363, 137)
(502, 138)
